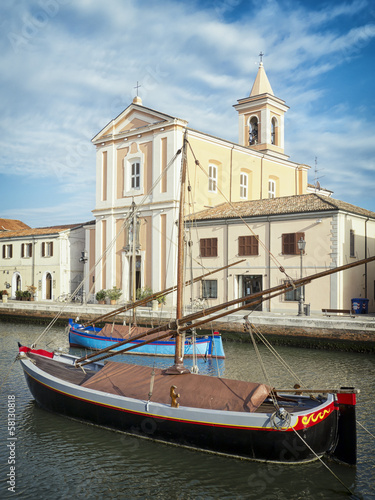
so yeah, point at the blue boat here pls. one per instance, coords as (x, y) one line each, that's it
(91, 337)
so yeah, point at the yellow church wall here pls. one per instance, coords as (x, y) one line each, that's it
(121, 154)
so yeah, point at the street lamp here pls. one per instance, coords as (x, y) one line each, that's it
(301, 247)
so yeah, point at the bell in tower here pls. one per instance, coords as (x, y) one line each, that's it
(261, 117)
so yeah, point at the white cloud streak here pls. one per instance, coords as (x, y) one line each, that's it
(70, 67)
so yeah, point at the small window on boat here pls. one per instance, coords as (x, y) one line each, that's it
(208, 247)
(209, 289)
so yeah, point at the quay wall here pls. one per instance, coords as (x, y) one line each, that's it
(356, 333)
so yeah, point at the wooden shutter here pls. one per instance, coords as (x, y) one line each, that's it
(10, 251)
(208, 247)
(51, 247)
(248, 245)
(43, 249)
(3, 251)
(290, 243)
(23, 250)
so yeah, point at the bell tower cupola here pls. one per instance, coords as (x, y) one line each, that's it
(261, 117)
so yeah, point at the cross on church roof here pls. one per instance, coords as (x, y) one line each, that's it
(261, 56)
(137, 87)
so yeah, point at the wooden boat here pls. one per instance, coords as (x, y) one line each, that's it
(91, 337)
(231, 417)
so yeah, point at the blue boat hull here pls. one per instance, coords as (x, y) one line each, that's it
(90, 338)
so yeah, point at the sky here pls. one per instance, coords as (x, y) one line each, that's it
(68, 67)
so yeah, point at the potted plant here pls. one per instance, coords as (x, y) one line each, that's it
(161, 299)
(4, 296)
(143, 293)
(26, 295)
(31, 289)
(100, 296)
(114, 294)
(18, 295)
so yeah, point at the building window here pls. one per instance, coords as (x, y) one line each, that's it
(289, 243)
(7, 251)
(253, 131)
(248, 245)
(212, 178)
(273, 131)
(295, 294)
(135, 178)
(352, 243)
(243, 186)
(209, 289)
(208, 247)
(47, 249)
(271, 188)
(26, 250)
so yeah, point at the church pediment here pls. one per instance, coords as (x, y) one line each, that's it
(134, 117)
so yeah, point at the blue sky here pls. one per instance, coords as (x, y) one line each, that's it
(70, 66)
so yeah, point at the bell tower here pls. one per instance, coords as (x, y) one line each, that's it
(261, 117)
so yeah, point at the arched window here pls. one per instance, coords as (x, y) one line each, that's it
(273, 130)
(253, 131)
(271, 188)
(243, 186)
(212, 178)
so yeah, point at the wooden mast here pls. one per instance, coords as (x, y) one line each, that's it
(178, 367)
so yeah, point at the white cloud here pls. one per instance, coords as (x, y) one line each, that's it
(77, 70)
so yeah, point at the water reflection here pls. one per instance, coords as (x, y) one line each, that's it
(61, 458)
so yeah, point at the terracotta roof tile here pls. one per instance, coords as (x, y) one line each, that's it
(39, 231)
(276, 206)
(12, 224)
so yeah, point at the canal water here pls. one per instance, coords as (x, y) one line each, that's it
(59, 458)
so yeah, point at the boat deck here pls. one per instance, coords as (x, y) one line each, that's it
(195, 391)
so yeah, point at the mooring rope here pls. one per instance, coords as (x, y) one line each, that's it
(364, 428)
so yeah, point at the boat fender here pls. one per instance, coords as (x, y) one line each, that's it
(280, 419)
(174, 396)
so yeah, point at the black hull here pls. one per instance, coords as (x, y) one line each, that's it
(255, 444)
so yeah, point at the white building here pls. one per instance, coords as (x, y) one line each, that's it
(47, 258)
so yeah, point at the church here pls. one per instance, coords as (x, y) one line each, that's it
(246, 202)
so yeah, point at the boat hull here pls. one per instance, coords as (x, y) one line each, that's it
(90, 338)
(245, 435)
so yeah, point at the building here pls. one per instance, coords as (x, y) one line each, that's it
(49, 259)
(265, 233)
(138, 179)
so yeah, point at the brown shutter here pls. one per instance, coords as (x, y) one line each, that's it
(43, 249)
(31, 249)
(51, 248)
(241, 246)
(10, 251)
(23, 250)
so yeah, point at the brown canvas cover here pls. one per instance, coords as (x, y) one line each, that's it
(124, 332)
(196, 391)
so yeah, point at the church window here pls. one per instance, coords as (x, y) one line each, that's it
(243, 186)
(273, 131)
(135, 180)
(253, 131)
(271, 188)
(212, 178)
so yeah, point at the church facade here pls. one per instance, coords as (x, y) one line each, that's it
(138, 163)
